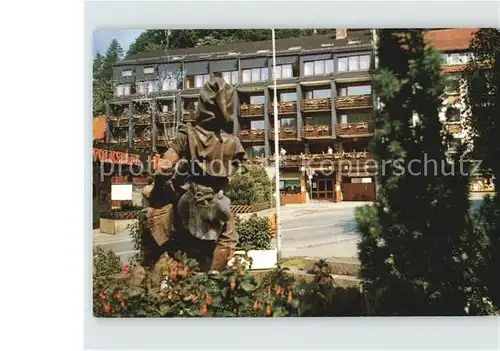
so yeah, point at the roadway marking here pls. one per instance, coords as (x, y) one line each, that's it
(126, 252)
(309, 227)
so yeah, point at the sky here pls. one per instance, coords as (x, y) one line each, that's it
(102, 38)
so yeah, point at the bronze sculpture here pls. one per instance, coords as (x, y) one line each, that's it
(192, 177)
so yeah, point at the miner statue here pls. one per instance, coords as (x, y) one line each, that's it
(189, 209)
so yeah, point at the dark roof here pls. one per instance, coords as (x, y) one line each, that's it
(249, 48)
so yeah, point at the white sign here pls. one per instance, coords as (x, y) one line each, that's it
(121, 192)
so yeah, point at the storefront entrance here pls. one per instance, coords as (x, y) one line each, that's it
(322, 188)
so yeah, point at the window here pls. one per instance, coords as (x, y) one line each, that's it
(290, 186)
(255, 75)
(257, 100)
(257, 125)
(318, 120)
(127, 73)
(253, 151)
(287, 122)
(455, 58)
(353, 63)
(356, 118)
(123, 90)
(230, 77)
(452, 114)
(146, 87)
(319, 94)
(356, 90)
(315, 68)
(149, 70)
(283, 71)
(288, 96)
(169, 84)
(200, 80)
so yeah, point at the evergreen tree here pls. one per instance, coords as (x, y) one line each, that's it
(103, 80)
(412, 246)
(482, 97)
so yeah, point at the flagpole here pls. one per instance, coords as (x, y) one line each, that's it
(276, 152)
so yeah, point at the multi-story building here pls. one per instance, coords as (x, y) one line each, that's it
(325, 104)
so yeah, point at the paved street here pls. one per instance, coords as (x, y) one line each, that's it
(313, 230)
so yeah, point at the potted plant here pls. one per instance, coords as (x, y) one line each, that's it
(254, 242)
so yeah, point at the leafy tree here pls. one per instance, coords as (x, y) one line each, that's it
(103, 81)
(188, 38)
(412, 247)
(482, 98)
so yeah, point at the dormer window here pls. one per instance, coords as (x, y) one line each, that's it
(127, 73)
(149, 70)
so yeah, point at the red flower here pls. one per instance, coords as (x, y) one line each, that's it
(107, 308)
(209, 300)
(268, 311)
(289, 299)
(278, 290)
(124, 268)
(203, 310)
(102, 296)
(256, 305)
(185, 272)
(232, 284)
(122, 304)
(118, 295)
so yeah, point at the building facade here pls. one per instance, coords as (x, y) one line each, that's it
(324, 103)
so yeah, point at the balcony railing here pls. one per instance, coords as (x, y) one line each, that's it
(165, 117)
(354, 129)
(284, 107)
(251, 135)
(162, 140)
(142, 141)
(317, 131)
(142, 120)
(119, 140)
(188, 115)
(317, 159)
(353, 102)
(246, 110)
(284, 133)
(119, 122)
(316, 104)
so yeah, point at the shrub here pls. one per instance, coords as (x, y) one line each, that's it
(104, 262)
(253, 233)
(251, 187)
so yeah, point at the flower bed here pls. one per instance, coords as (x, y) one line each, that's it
(176, 288)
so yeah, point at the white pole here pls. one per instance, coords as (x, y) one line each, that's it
(276, 152)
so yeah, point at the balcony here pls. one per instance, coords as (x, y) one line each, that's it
(346, 130)
(246, 110)
(119, 121)
(142, 120)
(353, 102)
(163, 141)
(119, 141)
(305, 160)
(313, 105)
(317, 132)
(251, 135)
(284, 107)
(165, 117)
(188, 115)
(142, 141)
(285, 133)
